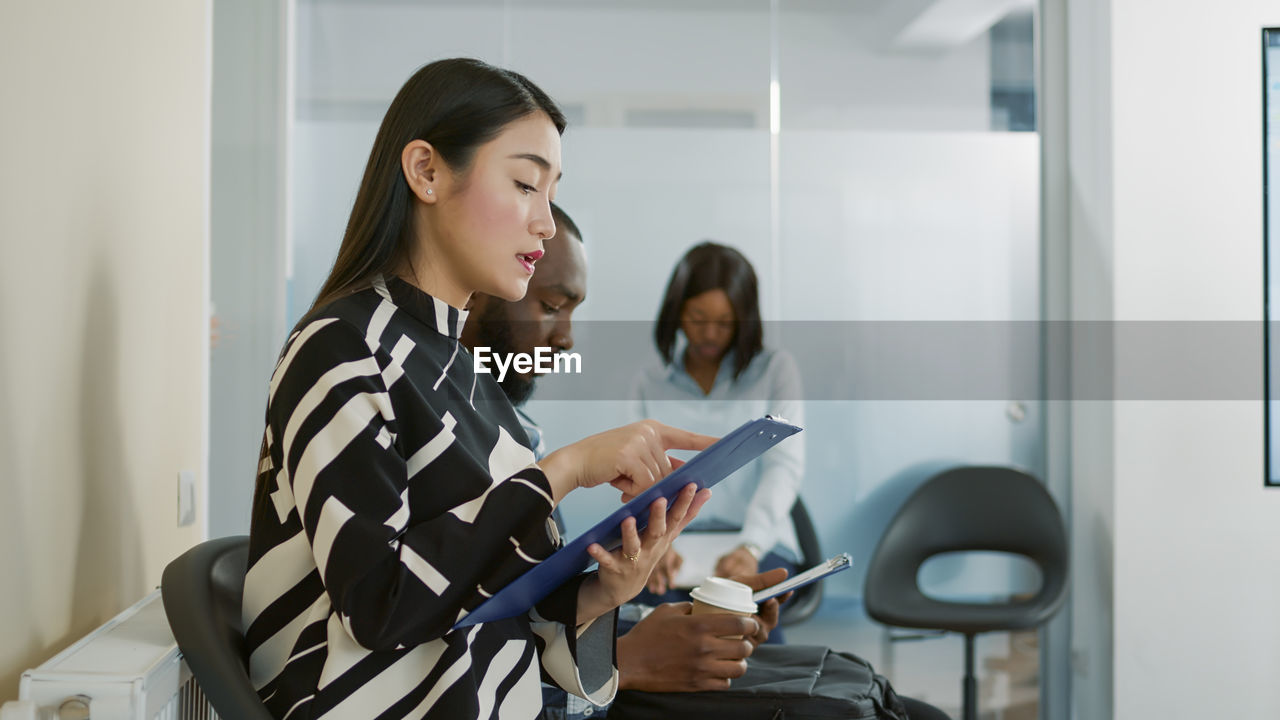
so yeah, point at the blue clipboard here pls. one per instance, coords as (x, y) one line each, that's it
(705, 469)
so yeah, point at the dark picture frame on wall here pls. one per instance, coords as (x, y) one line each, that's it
(1270, 255)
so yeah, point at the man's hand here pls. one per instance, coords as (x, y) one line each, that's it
(767, 613)
(737, 562)
(664, 575)
(673, 651)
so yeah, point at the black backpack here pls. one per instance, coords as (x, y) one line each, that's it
(783, 682)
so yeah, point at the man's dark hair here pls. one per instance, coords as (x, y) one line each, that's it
(564, 222)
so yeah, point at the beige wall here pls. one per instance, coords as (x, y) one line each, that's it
(103, 329)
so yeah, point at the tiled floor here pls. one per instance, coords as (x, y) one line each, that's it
(932, 670)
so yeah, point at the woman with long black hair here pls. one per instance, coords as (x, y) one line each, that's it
(396, 489)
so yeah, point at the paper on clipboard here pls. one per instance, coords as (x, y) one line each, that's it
(699, 552)
(744, 444)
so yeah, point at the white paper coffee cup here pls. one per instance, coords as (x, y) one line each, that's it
(719, 595)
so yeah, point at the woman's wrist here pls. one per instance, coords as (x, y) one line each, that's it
(594, 599)
(557, 466)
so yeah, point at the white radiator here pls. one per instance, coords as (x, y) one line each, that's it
(128, 669)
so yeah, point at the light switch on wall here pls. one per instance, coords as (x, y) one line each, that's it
(186, 498)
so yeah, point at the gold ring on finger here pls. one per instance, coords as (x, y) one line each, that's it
(629, 556)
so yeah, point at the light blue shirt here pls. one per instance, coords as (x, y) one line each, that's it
(757, 498)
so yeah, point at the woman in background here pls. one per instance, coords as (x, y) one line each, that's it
(716, 375)
(396, 489)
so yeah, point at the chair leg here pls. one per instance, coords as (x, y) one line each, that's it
(970, 682)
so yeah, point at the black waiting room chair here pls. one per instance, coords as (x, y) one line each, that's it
(969, 509)
(201, 590)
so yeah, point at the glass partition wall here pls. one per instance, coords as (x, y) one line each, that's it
(876, 160)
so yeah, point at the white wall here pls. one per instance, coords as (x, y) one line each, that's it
(103, 244)
(1181, 537)
(613, 56)
(857, 249)
(857, 245)
(1193, 521)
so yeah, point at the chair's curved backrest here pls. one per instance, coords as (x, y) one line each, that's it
(202, 589)
(804, 603)
(969, 509)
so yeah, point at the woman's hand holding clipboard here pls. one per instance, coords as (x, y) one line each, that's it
(705, 469)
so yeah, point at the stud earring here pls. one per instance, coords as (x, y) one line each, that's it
(430, 191)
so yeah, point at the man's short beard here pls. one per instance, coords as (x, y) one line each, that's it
(494, 331)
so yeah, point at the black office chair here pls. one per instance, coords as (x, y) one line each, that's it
(804, 603)
(969, 509)
(201, 590)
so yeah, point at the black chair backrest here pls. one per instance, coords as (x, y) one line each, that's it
(969, 509)
(804, 603)
(202, 589)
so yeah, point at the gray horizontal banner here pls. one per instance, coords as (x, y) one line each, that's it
(1046, 360)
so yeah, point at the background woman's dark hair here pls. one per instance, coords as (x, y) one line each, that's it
(455, 105)
(711, 266)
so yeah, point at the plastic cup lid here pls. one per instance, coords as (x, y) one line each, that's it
(727, 594)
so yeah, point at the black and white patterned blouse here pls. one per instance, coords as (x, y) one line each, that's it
(398, 491)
